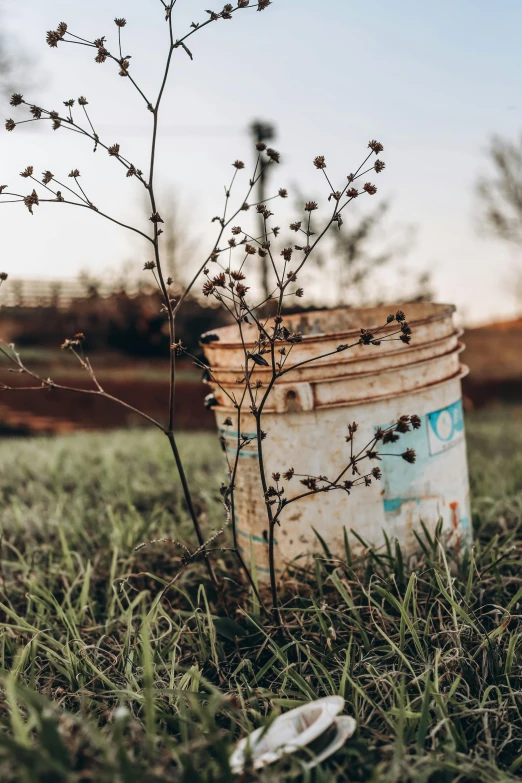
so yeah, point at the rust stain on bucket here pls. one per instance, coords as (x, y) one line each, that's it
(455, 520)
(306, 416)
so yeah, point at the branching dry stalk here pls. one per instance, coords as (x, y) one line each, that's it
(274, 342)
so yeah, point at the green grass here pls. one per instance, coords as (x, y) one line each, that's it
(109, 674)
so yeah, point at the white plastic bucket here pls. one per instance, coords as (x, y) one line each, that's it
(306, 418)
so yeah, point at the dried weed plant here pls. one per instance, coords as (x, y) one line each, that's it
(225, 274)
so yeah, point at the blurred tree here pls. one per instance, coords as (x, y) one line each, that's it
(362, 248)
(10, 83)
(5, 62)
(500, 199)
(179, 246)
(262, 131)
(500, 193)
(422, 290)
(356, 257)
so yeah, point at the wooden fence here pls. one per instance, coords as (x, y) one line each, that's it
(23, 292)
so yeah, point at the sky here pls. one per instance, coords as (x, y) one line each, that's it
(432, 81)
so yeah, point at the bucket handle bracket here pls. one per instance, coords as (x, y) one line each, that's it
(293, 398)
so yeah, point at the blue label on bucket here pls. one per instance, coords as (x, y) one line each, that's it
(439, 431)
(445, 427)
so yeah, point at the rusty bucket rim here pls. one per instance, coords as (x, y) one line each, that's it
(446, 310)
(217, 369)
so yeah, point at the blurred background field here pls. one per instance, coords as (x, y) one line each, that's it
(127, 342)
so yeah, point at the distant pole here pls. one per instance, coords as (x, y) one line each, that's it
(263, 131)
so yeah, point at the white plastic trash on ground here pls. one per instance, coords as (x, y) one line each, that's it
(306, 420)
(314, 730)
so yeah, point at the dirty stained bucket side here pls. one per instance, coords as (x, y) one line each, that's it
(306, 428)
